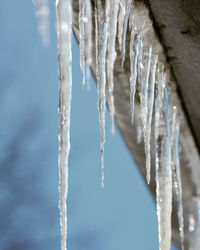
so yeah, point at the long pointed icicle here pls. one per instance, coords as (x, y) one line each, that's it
(150, 103)
(176, 173)
(140, 65)
(134, 49)
(121, 17)
(163, 162)
(82, 37)
(158, 110)
(113, 9)
(64, 35)
(89, 41)
(125, 26)
(144, 102)
(167, 185)
(101, 45)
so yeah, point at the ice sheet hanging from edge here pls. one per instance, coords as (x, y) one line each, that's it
(64, 36)
(42, 13)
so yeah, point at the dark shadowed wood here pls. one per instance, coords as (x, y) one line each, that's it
(178, 25)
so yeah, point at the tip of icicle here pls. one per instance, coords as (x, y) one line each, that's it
(148, 179)
(102, 178)
(113, 130)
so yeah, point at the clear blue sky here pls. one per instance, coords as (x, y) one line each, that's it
(122, 216)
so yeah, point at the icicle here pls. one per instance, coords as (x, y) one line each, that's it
(64, 34)
(133, 64)
(101, 46)
(177, 185)
(150, 103)
(194, 224)
(121, 17)
(138, 124)
(112, 9)
(140, 63)
(144, 103)
(168, 174)
(82, 37)
(42, 12)
(88, 31)
(139, 130)
(125, 26)
(163, 163)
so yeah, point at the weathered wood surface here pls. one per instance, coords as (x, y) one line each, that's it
(182, 48)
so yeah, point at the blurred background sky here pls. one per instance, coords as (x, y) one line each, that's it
(122, 216)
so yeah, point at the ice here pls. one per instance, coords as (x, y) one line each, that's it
(140, 65)
(148, 80)
(144, 103)
(163, 160)
(150, 103)
(42, 12)
(101, 47)
(88, 38)
(134, 52)
(194, 224)
(121, 17)
(177, 185)
(64, 36)
(82, 37)
(125, 26)
(112, 10)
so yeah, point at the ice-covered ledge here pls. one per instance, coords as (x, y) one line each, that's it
(190, 162)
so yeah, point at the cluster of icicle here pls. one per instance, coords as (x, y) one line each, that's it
(148, 78)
